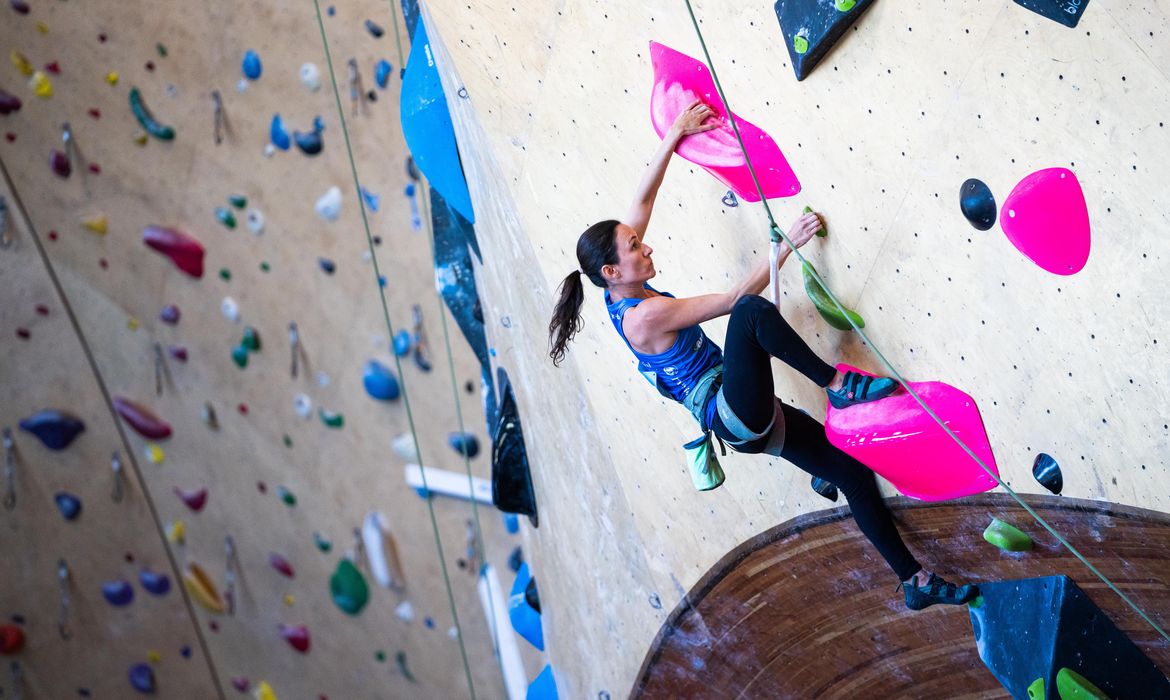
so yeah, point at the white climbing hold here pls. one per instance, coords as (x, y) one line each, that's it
(255, 221)
(311, 76)
(405, 611)
(329, 205)
(381, 552)
(230, 309)
(303, 405)
(403, 446)
(269, 149)
(322, 379)
(453, 632)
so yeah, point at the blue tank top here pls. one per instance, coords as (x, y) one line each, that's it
(678, 368)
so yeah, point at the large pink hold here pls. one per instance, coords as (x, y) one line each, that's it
(182, 249)
(678, 81)
(900, 441)
(1046, 219)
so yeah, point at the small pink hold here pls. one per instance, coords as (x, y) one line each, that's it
(105, 264)
(241, 684)
(182, 249)
(59, 162)
(52, 235)
(243, 409)
(195, 500)
(281, 564)
(297, 637)
(95, 168)
(178, 352)
(1046, 218)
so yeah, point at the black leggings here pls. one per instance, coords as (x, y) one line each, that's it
(757, 333)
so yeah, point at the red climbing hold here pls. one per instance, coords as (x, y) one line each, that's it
(59, 162)
(141, 419)
(54, 68)
(297, 637)
(42, 310)
(23, 333)
(182, 249)
(195, 500)
(20, 6)
(95, 168)
(178, 352)
(95, 113)
(281, 564)
(11, 639)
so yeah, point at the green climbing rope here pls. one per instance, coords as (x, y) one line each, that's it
(890, 367)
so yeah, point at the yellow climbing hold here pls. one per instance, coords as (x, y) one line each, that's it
(155, 454)
(202, 589)
(41, 85)
(264, 691)
(153, 656)
(141, 139)
(98, 224)
(177, 532)
(21, 63)
(132, 323)
(288, 600)
(42, 27)
(112, 77)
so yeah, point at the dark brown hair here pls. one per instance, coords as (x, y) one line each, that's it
(596, 248)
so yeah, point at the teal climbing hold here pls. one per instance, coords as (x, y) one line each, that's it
(348, 587)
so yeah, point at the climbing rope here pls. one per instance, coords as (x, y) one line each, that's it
(390, 332)
(778, 234)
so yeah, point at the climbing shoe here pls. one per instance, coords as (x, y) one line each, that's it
(937, 591)
(860, 388)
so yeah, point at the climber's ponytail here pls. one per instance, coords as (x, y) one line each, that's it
(596, 248)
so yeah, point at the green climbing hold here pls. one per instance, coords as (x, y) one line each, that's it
(287, 496)
(820, 231)
(400, 659)
(322, 544)
(845, 5)
(826, 307)
(225, 274)
(251, 339)
(1071, 685)
(331, 418)
(800, 44)
(225, 217)
(1007, 537)
(162, 50)
(1036, 690)
(240, 356)
(287, 440)
(152, 126)
(380, 656)
(264, 267)
(238, 201)
(348, 588)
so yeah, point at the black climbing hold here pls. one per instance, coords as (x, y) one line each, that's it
(56, 429)
(512, 490)
(1067, 12)
(412, 169)
(515, 559)
(977, 203)
(1032, 628)
(374, 29)
(812, 27)
(464, 443)
(372, 96)
(1047, 472)
(531, 595)
(825, 488)
(310, 143)
(327, 265)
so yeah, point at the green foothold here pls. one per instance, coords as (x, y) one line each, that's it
(1071, 685)
(977, 603)
(825, 306)
(800, 44)
(845, 5)
(820, 231)
(380, 656)
(1036, 690)
(322, 544)
(225, 274)
(225, 217)
(348, 588)
(240, 356)
(1007, 537)
(264, 267)
(331, 419)
(287, 496)
(400, 659)
(251, 339)
(287, 441)
(238, 201)
(162, 50)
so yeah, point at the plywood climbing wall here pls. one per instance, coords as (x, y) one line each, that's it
(291, 464)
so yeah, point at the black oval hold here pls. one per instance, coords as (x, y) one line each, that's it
(412, 169)
(1047, 472)
(977, 204)
(825, 488)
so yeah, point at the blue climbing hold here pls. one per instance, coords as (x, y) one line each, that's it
(310, 143)
(372, 200)
(56, 429)
(465, 444)
(155, 584)
(252, 67)
(327, 265)
(382, 73)
(977, 203)
(525, 618)
(402, 343)
(512, 525)
(380, 382)
(278, 134)
(142, 678)
(427, 127)
(68, 504)
(543, 687)
(118, 593)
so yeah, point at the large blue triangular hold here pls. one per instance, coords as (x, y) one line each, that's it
(543, 687)
(1067, 12)
(525, 618)
(812, 27)
(1027, 630)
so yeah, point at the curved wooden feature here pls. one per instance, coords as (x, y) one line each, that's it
(808, 608)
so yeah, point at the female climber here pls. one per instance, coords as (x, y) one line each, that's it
(730, 392)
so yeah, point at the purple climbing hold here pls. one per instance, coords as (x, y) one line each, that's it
(59, 162)
(142, 678)
(68, 504)
(56, 429)
(118, 593)
(9, 103)
(169, 315)
(154, 583)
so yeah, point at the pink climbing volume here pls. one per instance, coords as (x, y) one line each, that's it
(1046, 219)
(678, 81)
(897, 439)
